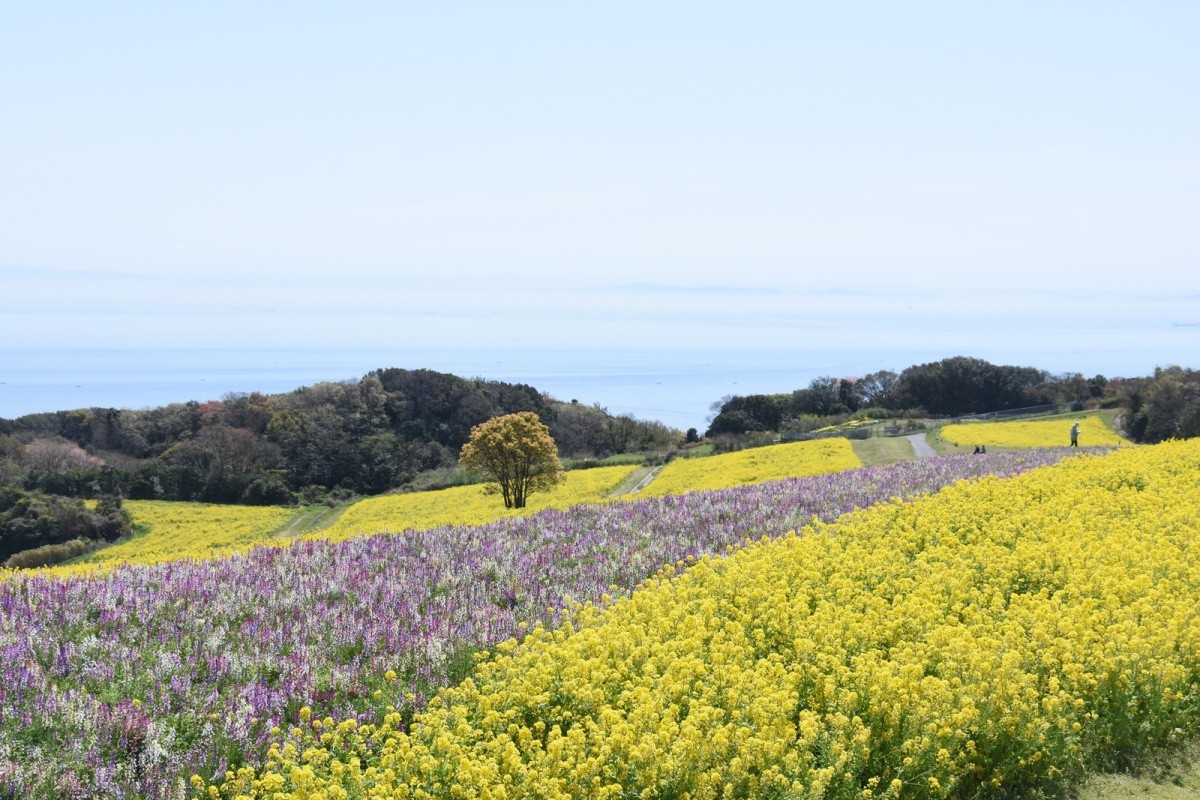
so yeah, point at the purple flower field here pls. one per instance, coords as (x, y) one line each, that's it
(125, 685)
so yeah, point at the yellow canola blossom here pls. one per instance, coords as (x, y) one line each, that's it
(1032, 433)
(755, 465)
(992, 640)
(468, 505)
(180, 530)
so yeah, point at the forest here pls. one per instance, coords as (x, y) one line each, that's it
(1163, 406)
(328, 441)
(397, 428)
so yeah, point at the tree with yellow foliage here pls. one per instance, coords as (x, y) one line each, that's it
(516, 454)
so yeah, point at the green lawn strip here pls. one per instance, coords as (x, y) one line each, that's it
(1109, 415)
(618, 460)
(1175, 779)
(631, 482)
(882, 450)
(943, 448)
(309, 519)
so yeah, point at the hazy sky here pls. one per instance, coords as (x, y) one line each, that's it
(219, 163)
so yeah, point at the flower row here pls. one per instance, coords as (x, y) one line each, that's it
(125, 683)
(993, 640)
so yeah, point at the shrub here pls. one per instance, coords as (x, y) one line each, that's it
(268, 491)
(49, 554)
(730, 443)
(31, 519)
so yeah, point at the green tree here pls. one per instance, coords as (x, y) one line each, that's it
(739, 414)
(1166, 406)
(879, 389)
(962, 385)
(516, 454)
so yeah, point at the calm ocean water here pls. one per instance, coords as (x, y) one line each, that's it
(674, 387)
(655, 351)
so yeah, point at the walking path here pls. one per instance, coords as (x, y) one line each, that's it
(921, 447)
(646, 480)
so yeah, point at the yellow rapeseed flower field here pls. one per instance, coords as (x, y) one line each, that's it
(181, 530)
(1031, 433)
(755, 465)
(184, 530)
(467, 505)
(992, 640)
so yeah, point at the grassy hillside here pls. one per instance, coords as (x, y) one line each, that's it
(176, 530)
(164, 670)
(468, 505)
(754, 466)
(1052, 432)
(329, 648)
(997, 639)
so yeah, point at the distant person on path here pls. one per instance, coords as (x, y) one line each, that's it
(1075, 434)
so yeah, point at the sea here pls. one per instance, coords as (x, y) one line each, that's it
(661, 352)
(674, 386)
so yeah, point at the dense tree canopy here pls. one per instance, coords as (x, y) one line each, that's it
(1166, 406)
(950, 387)
(363, 436)
(962, 385)
(31, 520)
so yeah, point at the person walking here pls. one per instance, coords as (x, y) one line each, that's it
(1075, 434)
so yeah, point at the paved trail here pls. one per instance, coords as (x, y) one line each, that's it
(921, 447)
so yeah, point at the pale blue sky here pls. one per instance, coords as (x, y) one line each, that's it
(344, 165)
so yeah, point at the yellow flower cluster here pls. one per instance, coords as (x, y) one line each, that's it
(1031, 433)
(181, 530)
(991, 640)
(184, 530)
(202, 530)
(468, 505)
(755, 465)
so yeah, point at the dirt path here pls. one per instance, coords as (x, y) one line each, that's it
(921, 447)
